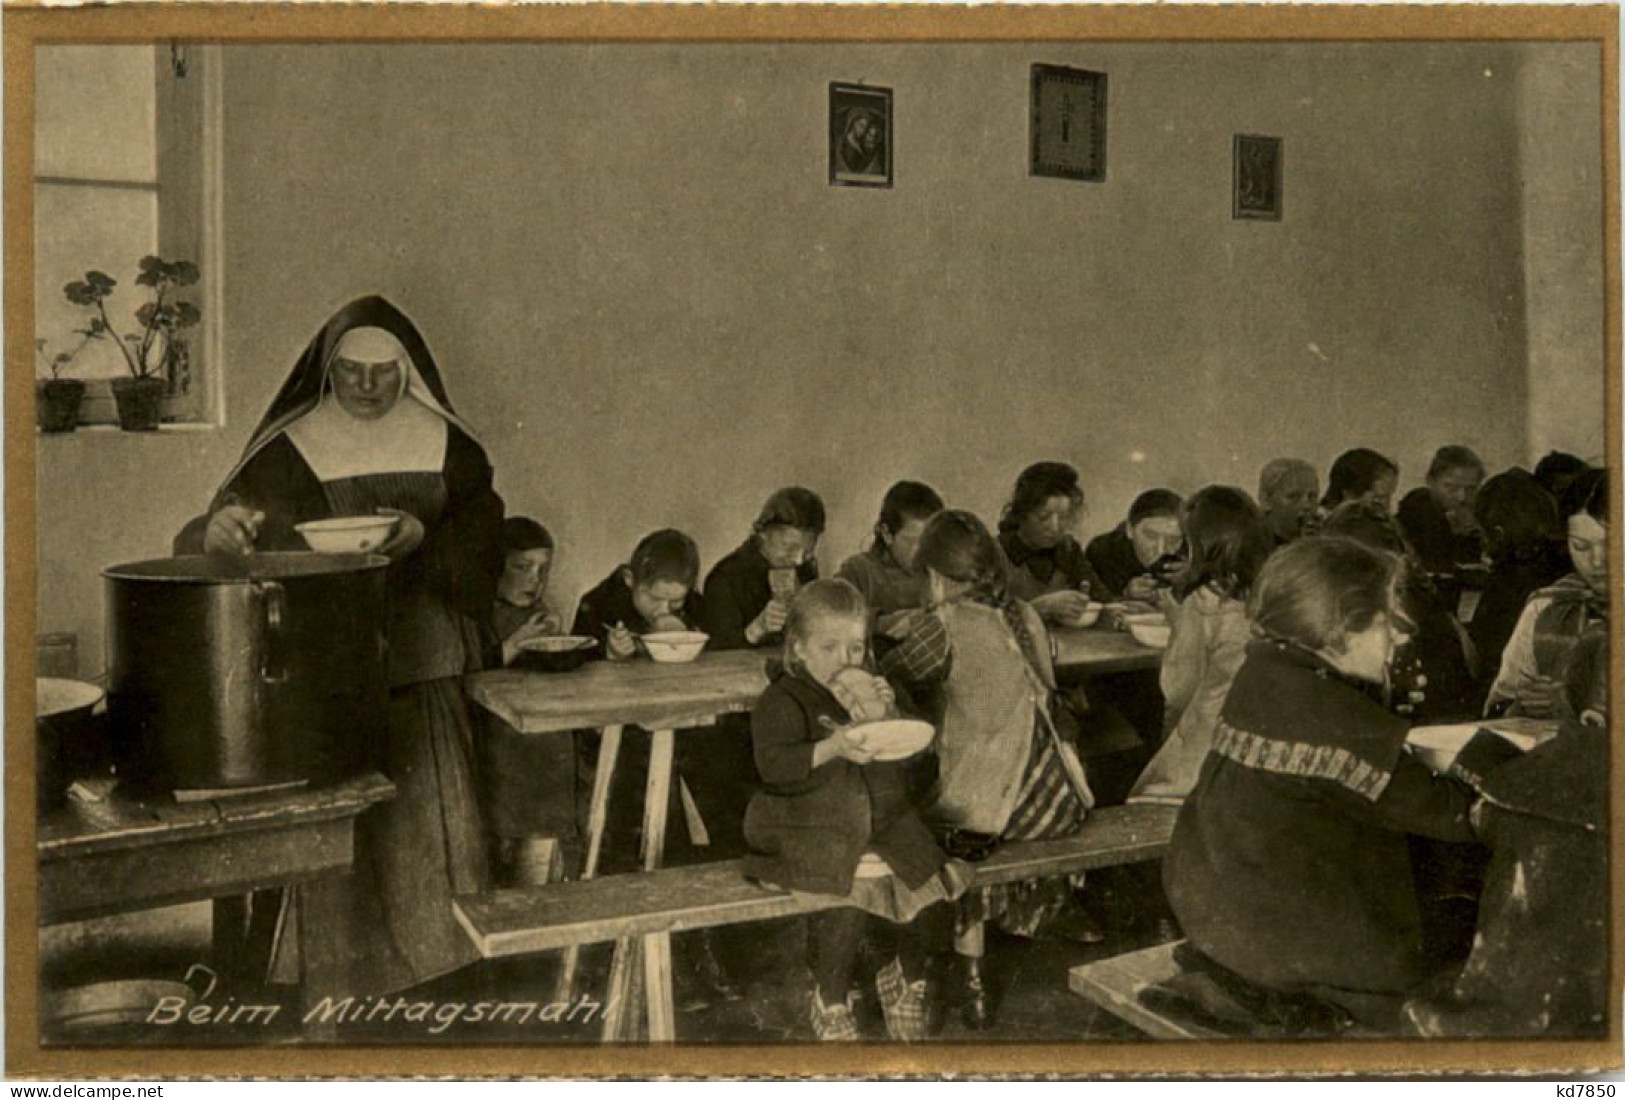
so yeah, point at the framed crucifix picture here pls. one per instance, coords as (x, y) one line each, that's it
(1068, 123)
(1257, 179)
(860, 136)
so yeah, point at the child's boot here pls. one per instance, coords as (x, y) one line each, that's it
(976, 1004)
(903, 1002)
(833, 1023)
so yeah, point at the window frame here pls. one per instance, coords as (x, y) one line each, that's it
(188, 139)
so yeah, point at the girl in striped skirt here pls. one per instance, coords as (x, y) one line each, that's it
(1003, 773)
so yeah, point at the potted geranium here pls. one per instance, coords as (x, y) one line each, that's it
(157, 354)
(57, 399)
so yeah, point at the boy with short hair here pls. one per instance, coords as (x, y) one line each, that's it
(653, 592)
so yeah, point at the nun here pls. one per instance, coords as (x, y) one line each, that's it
(361, 426)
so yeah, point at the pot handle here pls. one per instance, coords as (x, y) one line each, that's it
(275, 668)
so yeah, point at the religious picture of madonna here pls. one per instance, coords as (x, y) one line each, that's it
(860, 136)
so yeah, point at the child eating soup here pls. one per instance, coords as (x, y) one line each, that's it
(1290, 864)
(1004, 773)
(885, 573)
(1046, 565)
(831, 819)
(747, 593)
(1228, 543)
(1555, 618)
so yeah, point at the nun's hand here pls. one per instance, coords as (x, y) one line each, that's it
(406, 536)
(233, 530)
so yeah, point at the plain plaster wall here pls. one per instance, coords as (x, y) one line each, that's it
(643, 291)
(1559, 104)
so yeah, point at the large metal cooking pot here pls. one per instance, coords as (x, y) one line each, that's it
(243, 672)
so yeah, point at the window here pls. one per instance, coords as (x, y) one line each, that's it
(126, 165)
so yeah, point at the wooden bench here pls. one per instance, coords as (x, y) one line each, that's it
(1139, 988)
(657, 903)
(1116, 985)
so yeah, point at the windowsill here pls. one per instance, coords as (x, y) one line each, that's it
(103, 429)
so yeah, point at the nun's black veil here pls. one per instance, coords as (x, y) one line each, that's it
(302, 392)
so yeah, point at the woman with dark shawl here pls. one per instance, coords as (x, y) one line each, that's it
(363, 425)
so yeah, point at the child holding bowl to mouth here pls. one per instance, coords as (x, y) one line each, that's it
(1136, 559)
(747, 593)
(833, 820)
(747, 602)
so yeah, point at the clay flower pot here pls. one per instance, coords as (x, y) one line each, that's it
(56, 403)
(140, 402)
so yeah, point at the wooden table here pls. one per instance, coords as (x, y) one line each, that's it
(1099, 650)
(664, 698)
(610, 695)
(124, 854)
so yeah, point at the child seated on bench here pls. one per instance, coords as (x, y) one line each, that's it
(654, 591)
(527, 783)
(1290, 864)
(1004, 773)
(1228, 542)
(885, 573)
(827, 803)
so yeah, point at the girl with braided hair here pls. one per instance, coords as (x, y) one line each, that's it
(1004, 773)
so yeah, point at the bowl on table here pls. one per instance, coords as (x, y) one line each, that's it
(895, 738)
(347, 534)
(1087, 617)
(674, 647)
(556, 643)
(554, 653)
(1155, 634)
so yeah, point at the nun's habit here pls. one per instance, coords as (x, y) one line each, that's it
(310, 459)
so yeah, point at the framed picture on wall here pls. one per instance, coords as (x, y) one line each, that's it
(1068, 123)
(860, 136)
(1257, 182)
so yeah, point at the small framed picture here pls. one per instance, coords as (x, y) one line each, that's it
(1257, 182)
(860, 136)
(1068, 123)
